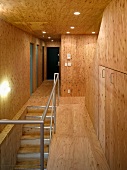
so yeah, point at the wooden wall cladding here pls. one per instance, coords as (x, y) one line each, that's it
(81, 48)
(91, 85)
(101, 113)
(112, 53)
(10, 142)
(9, 148)
(15, 67)
(113, 117)
(112, 39)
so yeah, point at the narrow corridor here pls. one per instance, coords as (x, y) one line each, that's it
(75, 145)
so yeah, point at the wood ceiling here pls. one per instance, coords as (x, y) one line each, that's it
(53, 16)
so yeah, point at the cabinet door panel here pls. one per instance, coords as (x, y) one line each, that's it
(102, 106)
(116, 120)
(124, 130)
(110, 84)
(120, 131)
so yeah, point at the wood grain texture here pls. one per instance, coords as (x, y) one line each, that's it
(10, 142)
(112, 51)
(75, 145)
(14, 67)
(81, 48)
(53, 16)
(10, 135)
(116, 116)
(101, 114)
(91, 85)
(109, 118)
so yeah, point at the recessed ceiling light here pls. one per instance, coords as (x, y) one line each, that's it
(76, 13)
(49, 37)
(68, 32)
(93, 32)
(52, 40)
(44, 32)
(72, 27)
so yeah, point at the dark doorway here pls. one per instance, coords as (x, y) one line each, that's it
(31, 68)
(52, 62)
(37, 48)
(42, 63)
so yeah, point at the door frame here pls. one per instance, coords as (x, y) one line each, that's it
(31, 68)
(45, 53)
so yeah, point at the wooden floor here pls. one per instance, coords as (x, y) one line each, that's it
(41, 95)
(75, 145)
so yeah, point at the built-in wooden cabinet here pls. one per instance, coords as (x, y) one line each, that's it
(113, 117)
(101, 121)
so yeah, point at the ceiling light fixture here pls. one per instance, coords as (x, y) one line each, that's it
(93, 32)
(68, 32)
(44, 32)
(52, 40)
(49, 37)
(72, 27)
(76, 13)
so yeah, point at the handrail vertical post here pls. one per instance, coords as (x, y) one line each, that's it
(54, 77)
(58, 90)
(42, 146)
(54, 105)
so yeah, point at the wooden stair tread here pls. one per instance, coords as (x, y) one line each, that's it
(34, 136)
(36, 125)
(29, 152)
(36, 109)
(35, 149)
(37, 114)
(31, 164)
(35, 131)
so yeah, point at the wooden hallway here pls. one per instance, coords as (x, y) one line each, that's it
(75, 145)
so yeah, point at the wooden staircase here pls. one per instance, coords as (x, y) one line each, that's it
(28, 156)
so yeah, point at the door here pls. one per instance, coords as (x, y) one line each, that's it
(42, 63)
(52, 62)
(37, 47)
(102, 106)
(31, 68)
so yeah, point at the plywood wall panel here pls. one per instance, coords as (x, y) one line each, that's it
(15, 67)
(112, 53)
(91, 75)
(116, 116)
(113, 34)
(101, 113)
(81, 48)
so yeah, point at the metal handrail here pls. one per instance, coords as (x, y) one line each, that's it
(51, 95)
(41, 122)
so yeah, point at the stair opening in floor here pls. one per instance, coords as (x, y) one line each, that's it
(37, 129)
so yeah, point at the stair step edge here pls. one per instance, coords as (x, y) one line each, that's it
(31, 156)
(36, 127)
(29, 137)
